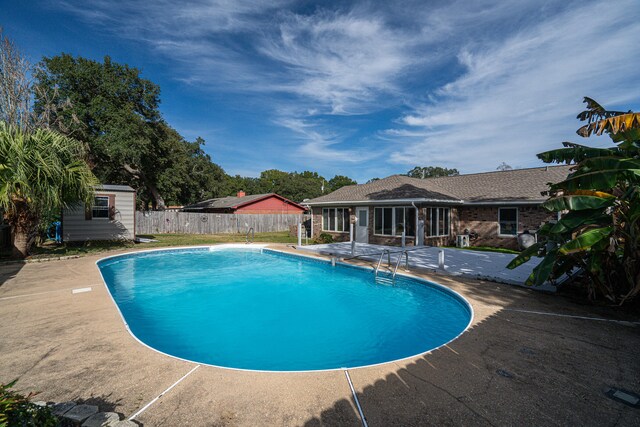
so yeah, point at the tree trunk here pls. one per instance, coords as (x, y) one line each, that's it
(20, 239)
(23, 222)
(158, 201)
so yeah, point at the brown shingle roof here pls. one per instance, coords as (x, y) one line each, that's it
(390, 188)
(517, 185)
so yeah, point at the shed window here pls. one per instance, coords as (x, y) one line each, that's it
(103, 207)
(100, 207)
(508, 221)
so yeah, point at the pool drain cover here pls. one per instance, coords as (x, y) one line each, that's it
(629, 398)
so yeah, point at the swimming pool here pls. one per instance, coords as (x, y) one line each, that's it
(259, 309)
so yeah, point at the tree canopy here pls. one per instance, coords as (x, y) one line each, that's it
(431, 172)
(115, 111)
(296, 186)
(15, 86)
(504, 167)
(340, 181)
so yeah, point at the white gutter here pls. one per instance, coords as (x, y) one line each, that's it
(506, 203)
(438, 201)
(385, 202)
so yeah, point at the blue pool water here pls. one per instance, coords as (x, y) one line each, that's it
(245, 309)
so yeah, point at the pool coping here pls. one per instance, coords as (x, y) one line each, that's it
(261, 247)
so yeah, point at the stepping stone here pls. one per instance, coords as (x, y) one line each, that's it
(60, 409)
(80, 413)
(102, 419)
(125, 423)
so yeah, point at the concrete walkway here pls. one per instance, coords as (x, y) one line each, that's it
(474, 264)
(528, 359)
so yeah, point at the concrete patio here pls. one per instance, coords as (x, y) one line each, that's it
(473, 264)
(528, 359)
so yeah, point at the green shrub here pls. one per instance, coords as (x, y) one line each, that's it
(598, 233)
(325, 238)
(17, 410)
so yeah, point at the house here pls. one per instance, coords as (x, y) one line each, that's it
(111, 217)
(270, 203)
(491, 207)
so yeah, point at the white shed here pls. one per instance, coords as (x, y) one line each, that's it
(112, 216)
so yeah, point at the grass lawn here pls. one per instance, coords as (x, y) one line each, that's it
(486, 249)
(53, 250)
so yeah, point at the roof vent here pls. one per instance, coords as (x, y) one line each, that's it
(241, 193)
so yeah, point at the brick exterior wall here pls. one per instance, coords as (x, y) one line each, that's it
(484, 221)
(480, 219)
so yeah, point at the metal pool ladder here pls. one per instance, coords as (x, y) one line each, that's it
(388, 252)
(252, 235)
(406, 263)
(395, 270)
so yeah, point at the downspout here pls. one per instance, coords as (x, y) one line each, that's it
(311, 216)
(415, 242)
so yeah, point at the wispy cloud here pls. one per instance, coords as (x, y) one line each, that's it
(466, 84)
(340, 60)
(343, 61)
(320, 145)
(519, 95)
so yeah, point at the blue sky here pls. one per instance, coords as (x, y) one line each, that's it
(363, 88)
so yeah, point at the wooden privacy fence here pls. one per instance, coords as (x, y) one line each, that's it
(160, 222)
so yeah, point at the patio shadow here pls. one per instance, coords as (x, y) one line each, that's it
(9, 270)
(510, 368)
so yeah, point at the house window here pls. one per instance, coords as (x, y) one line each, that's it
(438, 222)
(507, 221)
(392, 221)
(335, 219)
(100, 207)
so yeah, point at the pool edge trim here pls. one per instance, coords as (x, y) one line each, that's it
(259, 246)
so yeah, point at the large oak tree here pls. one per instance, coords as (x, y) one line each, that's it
(114, 111)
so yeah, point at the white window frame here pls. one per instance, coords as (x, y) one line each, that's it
(107, 209)
(345, 225)
(436, 209)
(393, 220)
(500, 234)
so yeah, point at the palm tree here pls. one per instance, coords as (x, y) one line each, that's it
(40, 172)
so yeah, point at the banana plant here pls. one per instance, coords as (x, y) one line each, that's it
(598, 233)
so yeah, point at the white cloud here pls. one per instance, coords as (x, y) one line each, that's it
(342, 61)
(519, 95)
(320, 146)
(481, 82)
